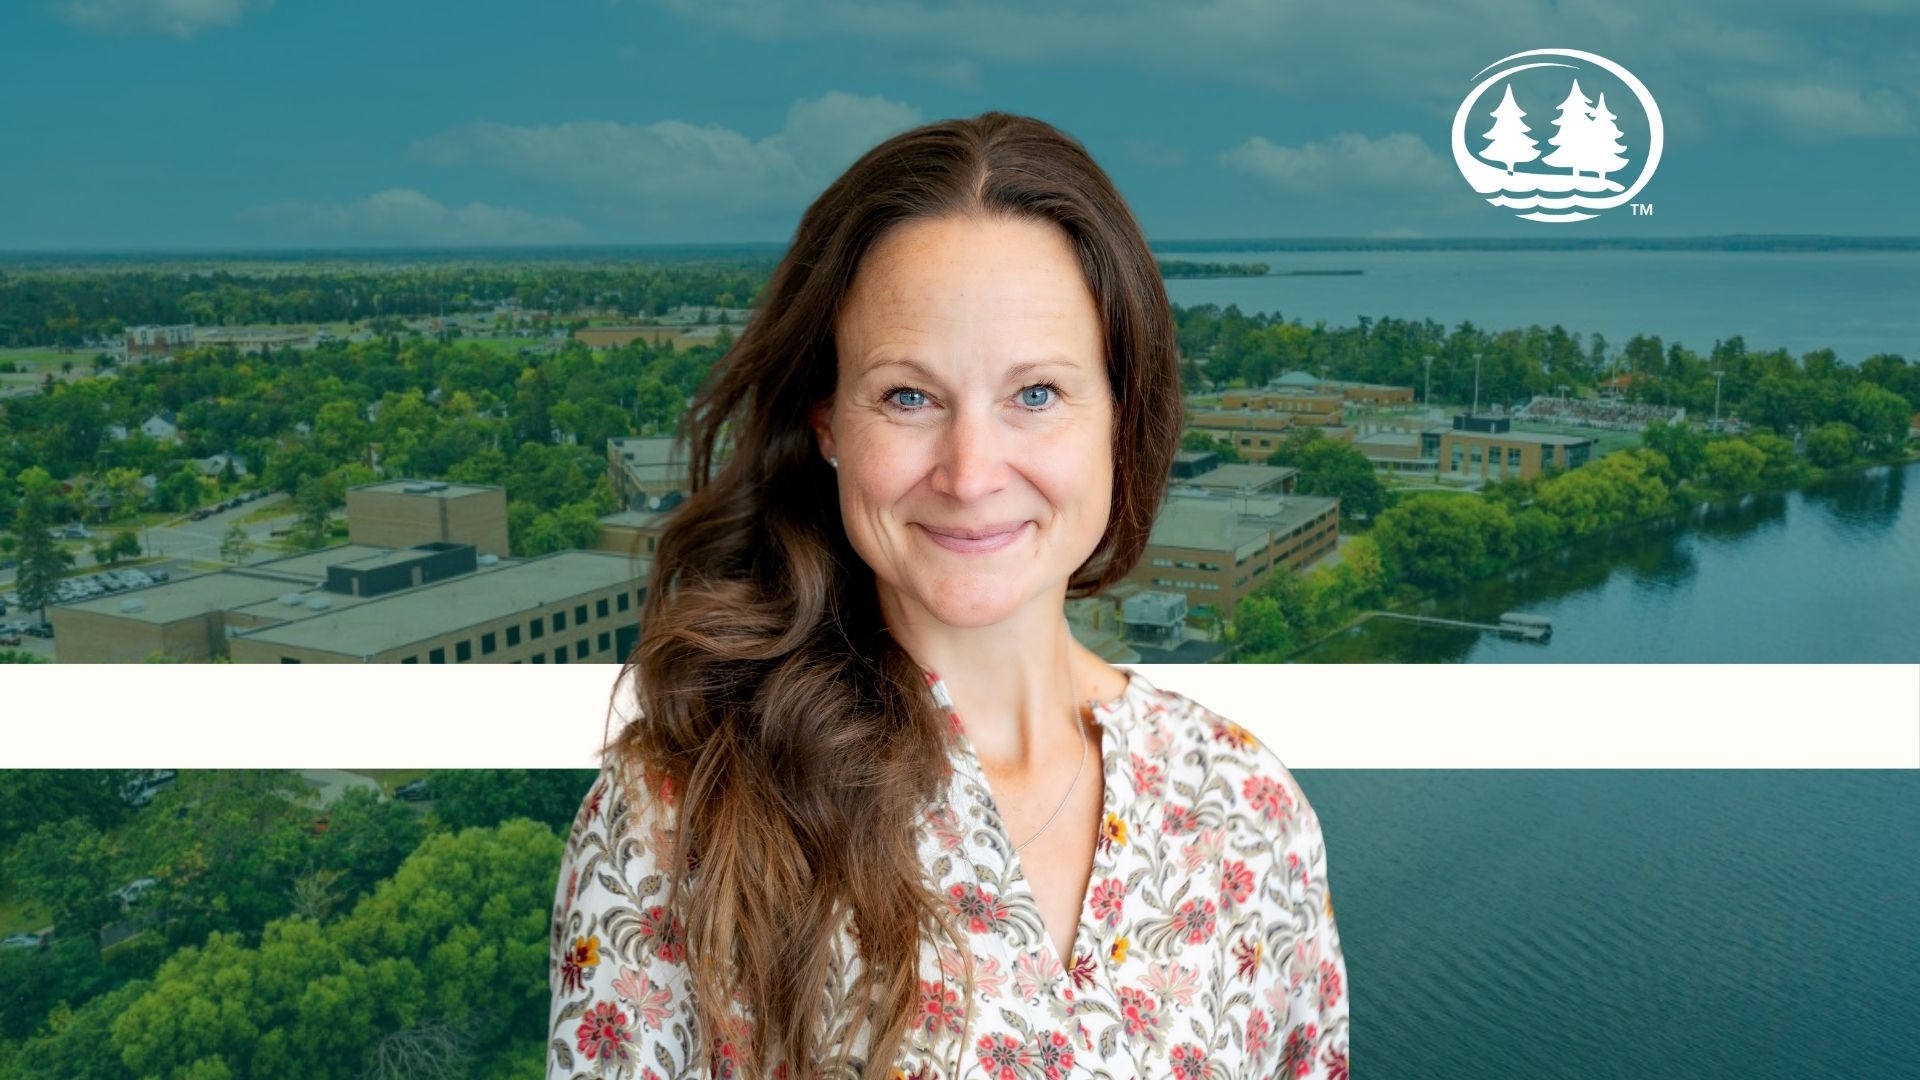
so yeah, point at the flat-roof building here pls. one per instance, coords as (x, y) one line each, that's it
(402, 513)
(649, 472)
(440, 602)
(1480, 447)
(564, 607)
(1216, 548)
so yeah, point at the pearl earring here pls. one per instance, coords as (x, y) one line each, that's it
(834, 461)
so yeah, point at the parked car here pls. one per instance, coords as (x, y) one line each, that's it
(41, 630)
(10, 639)
(132, 891)
(24, 941)
(200, 514)
(413, 791)
(160, 575)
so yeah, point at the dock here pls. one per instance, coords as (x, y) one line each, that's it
(1513, 624)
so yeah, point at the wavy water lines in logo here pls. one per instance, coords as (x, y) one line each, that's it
(1573, 169)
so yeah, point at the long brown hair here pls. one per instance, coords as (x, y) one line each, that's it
(795, 738)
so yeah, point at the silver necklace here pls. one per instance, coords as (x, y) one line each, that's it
(1076, 773)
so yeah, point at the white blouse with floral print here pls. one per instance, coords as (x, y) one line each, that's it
(1206, 947)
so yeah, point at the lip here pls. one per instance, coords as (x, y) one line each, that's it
(973, 541)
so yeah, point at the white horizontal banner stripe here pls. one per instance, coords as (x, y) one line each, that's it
(1314, 716)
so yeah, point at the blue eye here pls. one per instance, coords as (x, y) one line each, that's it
(914, 406)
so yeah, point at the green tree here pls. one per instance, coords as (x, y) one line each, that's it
(455, 941)
(367, 837)
(1734, 464)
(1329, 467)
(181, 491)
(224, 846)
(1781, 467)
(1881, 415)
(1834, 444)
(463, 798)
(76, 1043)
(41, 559)
(31, 798)
(1259, 630)
(235, 545)
(70, 868)
(316, 511)
(1684, 447)
(1437, 541)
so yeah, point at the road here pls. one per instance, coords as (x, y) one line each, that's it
(186, 539)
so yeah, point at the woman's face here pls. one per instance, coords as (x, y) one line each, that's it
(971, 397)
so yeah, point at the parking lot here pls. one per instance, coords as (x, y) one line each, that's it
(185, 541)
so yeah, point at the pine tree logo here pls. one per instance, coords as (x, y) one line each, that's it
(1587, 145)
(1507, 140)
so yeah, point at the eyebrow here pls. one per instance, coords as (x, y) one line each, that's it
(1015, 371)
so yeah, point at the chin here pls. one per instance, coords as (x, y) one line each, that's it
(971, 603)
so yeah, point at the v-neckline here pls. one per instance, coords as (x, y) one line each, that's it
(1103, 853)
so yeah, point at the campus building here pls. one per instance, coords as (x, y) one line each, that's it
(151, 340)
(437, 602)
(649, 473)
(561, 608)
(402, 513)
(1301, 382)
(424, 578)
(1400, 446)
(1480, 447)
(1214, 548)
(633, 532)
(1204, 469)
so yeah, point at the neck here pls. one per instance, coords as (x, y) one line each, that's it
(1018, 685)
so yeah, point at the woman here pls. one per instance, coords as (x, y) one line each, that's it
(916, 822)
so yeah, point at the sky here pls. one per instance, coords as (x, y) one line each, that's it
(129, 125)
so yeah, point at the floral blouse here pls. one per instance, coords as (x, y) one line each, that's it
(1206, 946)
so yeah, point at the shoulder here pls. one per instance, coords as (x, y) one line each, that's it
(616, 967)
(1233, 770)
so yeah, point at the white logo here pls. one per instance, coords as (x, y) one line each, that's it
(1585, 147)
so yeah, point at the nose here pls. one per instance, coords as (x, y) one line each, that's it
(971, 454)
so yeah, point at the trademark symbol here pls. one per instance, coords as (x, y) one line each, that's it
(1642, 209)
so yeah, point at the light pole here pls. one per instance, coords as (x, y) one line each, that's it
(1475, 411)
(1716, 399)
(1426, 396)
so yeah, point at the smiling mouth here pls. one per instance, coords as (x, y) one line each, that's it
(992, 538)
(987, 533)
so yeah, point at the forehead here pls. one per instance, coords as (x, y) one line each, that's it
(968, 289)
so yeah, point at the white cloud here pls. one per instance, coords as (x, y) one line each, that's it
(402, 215)
(1347, 164)
(1809, 109)
(171, 18)
(670, 169)
(1409, 51)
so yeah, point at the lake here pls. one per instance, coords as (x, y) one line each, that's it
(1653, 925)
(1856, 303)
(1828, 574)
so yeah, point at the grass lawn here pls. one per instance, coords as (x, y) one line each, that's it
(282, 509)
(17, 916)
(509, 345)
(39, 359)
